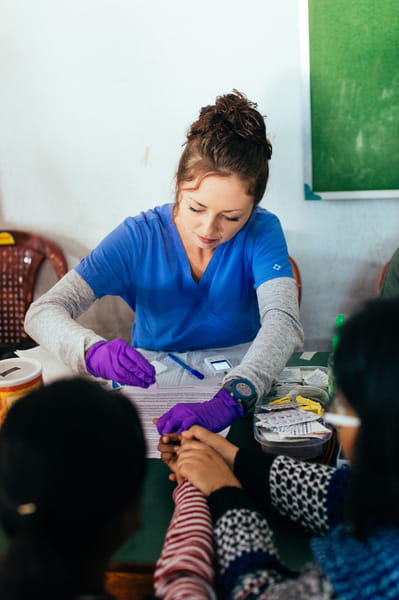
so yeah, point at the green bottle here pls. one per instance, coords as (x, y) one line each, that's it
(339, 320)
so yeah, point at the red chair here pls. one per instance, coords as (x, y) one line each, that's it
(297, 276)
(21, 254)
(381, 277)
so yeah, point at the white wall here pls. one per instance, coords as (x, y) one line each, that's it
(96, 96)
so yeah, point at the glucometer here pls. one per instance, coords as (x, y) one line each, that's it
(218, 363)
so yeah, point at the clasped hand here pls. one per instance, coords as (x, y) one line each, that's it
(204, 458)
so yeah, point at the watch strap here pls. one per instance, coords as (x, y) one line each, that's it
(247, 401)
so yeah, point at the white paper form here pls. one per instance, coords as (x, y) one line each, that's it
(154, 402)
(178, 385)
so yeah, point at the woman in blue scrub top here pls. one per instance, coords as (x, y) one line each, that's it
(210, 270)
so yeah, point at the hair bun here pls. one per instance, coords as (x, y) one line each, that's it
(232, 114)
(229, 137)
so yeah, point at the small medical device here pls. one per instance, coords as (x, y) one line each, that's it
(218, 363)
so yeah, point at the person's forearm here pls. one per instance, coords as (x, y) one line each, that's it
(310, 494)
(186, 562)
(281, 333)
(295, 489)
(50, 321)
(252, 469)
(245, 546)
(247, 560)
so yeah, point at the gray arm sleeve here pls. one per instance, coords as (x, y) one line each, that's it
(280, 334)
(50, 321)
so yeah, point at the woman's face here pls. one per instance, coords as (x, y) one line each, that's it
(214, 212)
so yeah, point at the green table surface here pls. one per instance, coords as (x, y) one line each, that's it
(145, 546)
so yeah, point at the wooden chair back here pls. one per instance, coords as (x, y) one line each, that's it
(381, 277)
(297, 276)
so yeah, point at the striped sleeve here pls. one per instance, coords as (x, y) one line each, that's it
(185, 566)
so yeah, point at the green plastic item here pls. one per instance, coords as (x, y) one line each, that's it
(339, 321)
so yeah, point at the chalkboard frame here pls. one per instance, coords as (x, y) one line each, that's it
(309, 192)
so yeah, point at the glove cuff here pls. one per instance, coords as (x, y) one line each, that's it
(232, 404)
(89, 355)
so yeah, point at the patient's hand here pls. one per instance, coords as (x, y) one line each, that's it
(226, 449)
(167, 445)
(203, 466)
(170, 443)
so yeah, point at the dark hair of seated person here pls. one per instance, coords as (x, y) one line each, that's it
(72, 466)
(366, 366)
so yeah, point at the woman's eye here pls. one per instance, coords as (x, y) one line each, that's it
(232, 218)
(196, 210)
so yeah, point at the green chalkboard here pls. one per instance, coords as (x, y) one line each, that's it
(354, 94)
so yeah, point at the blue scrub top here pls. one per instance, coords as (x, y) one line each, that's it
(144, 262)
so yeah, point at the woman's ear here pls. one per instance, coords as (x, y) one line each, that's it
(347, 435)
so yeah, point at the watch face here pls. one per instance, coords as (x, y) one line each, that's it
(243, 389)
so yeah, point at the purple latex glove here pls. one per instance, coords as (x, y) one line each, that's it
(119, 361)
(215, 414)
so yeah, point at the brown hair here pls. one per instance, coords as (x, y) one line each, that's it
(228, 138)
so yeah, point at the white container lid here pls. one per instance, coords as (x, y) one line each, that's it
(16, 371)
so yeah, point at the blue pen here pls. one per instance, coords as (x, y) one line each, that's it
(185, 366)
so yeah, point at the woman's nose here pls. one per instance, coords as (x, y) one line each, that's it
(210, 226)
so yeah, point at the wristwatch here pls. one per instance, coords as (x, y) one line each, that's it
(243, 391)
